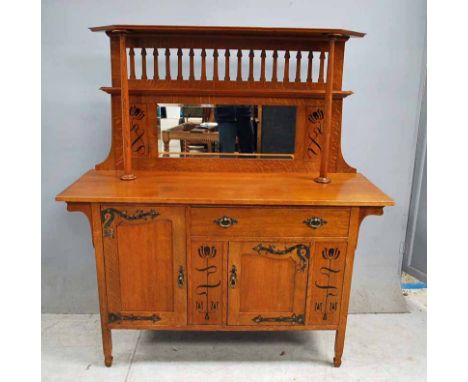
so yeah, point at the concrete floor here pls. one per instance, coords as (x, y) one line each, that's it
(379, 347)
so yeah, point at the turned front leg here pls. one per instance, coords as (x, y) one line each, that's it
(107, 345)
(339, 345)
(355, 221)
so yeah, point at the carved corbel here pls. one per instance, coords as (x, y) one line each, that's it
(84, 208)
(366, 211)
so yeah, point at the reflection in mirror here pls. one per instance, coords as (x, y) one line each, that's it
(226, 131)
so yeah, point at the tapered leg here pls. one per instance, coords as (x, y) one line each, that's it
(107, 346)
(355, 221)
(101, 278)
(339, 345)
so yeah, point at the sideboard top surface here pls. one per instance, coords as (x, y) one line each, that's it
(345, 189)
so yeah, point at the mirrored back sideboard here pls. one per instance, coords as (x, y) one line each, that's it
(225, 203)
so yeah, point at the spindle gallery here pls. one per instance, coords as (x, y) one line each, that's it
(239, 213)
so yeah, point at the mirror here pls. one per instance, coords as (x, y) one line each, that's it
(226, 131)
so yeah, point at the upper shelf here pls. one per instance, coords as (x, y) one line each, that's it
(185, 90)
(290, 61)
(232, 31)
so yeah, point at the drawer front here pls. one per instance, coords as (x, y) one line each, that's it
(269, 222)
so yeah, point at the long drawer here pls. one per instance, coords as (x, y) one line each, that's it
(269, 222)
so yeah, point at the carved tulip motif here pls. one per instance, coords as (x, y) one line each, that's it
(329, 254)
(207, 252)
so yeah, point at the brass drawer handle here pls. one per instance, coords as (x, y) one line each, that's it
(314, 222)
(233, 278)
(225, 221)
(180, 277)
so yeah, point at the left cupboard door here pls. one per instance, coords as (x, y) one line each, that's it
(145, 261)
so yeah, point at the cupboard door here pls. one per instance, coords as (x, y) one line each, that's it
(206, 286)
(144, 250)
(267, 282)
(326, 282)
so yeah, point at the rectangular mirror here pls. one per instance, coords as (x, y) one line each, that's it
(226, 131)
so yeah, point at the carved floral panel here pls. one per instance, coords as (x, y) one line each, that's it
(206, 289)
(327, 282)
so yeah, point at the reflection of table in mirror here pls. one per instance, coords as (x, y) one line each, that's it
(191, 134)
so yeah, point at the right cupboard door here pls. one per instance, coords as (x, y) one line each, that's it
(267, 282)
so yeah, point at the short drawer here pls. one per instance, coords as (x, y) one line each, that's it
(269, 222)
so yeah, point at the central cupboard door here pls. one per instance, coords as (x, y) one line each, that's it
(267, 282)
(144, 251)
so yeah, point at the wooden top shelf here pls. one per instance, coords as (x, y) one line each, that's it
(229, 31)
(246, 92)
(345, 189)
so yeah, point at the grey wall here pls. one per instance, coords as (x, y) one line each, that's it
(379, 125)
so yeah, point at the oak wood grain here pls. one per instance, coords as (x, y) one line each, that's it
(269, 222)
(143, 257)
(270, 286)
(346, 189)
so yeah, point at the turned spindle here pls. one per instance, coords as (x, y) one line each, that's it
(239, 65)
(192, 65)
(274, 75)
(262, 66)
(226, 67)
(322, 66)
(155, 64)
(179, 65)
(131, 54)
(310, 57)
(215, 65)
(143, 64)
(286, 66)
(203, 65)
(298, 66)
(168, 64)
(251, 65)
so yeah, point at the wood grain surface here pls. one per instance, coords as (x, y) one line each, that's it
(346, 189)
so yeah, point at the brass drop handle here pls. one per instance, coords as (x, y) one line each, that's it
(180, 277)
(314, 222)
(225, 221)
(233, 278)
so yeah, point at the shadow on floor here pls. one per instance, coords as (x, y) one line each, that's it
(231, 347)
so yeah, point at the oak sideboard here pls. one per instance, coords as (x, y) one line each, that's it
(195, 236)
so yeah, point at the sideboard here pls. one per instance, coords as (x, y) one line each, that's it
(262, 240)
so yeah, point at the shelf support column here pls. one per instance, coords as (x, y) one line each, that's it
(124, 98)
(323, 176)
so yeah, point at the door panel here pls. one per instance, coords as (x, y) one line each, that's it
(267, 283)
(326, 282)
(144, 249)
(207, 293)
(276, 272)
